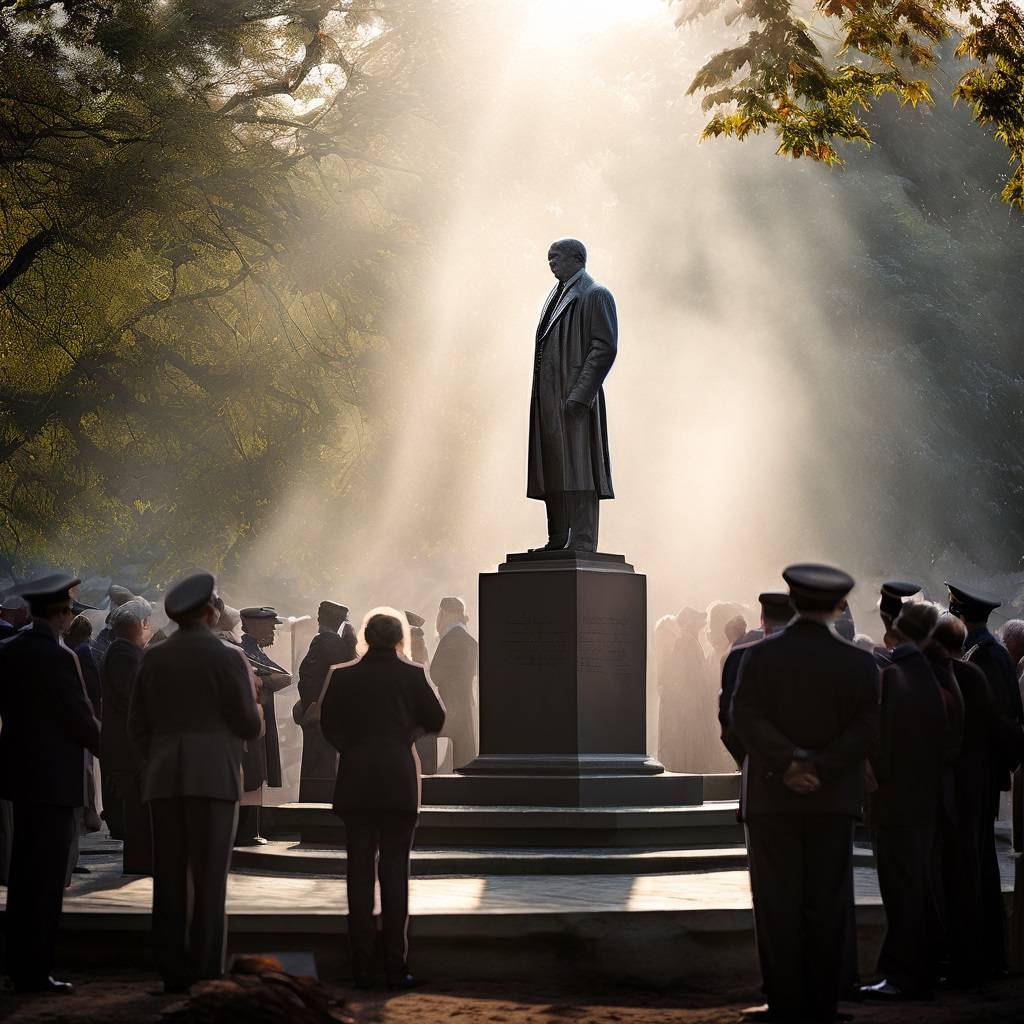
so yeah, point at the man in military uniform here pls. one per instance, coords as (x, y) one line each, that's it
(806, 711)
(48, 726)
(192, 708)
(454, 672)
(983, 649)
(776, 612)
(262, 762)
(329, 647)
(894, 593)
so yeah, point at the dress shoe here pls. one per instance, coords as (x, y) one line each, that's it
(883, 990)
(48, 987)
(80, 869)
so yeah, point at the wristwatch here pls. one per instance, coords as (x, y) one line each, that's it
(799, 754)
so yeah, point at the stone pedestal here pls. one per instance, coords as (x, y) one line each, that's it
(563, 668)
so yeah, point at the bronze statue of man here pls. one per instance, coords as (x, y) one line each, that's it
(568, 466)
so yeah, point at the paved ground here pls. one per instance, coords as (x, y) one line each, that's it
(636, 907)
(105, 889)
(121, 998)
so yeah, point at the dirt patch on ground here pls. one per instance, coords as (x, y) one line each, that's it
(127, 998)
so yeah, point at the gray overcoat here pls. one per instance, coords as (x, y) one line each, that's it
(572, 359)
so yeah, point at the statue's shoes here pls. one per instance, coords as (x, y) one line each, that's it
(566, 545)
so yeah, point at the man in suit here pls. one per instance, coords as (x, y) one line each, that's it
(776, 612)
(806, 711)
(454, 672)
(568, 464)
(373, 712)
(48, 726)
(116, 597)
(328, 648)
(908, 766)
(113, 809)
(983, 650)
(192, 708)
(130, 628)
(262, 762)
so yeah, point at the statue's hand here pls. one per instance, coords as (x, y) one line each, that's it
(576, 409)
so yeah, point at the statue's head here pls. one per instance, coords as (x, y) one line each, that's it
(565, 257)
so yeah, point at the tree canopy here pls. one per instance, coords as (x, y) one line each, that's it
(197, 235)
(810, 73)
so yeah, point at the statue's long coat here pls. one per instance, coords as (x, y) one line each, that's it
(572, 359)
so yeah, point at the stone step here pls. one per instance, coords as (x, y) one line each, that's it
(316, 859)
(665, 828)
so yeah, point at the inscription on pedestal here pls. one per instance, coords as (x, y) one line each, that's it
(604, 643)
(530, 641)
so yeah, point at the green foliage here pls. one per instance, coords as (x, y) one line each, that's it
(995, 88)
(196, 243)
(813, 95)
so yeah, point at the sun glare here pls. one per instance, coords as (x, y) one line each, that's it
(555, 20)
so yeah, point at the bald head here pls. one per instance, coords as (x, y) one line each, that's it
(566, 257)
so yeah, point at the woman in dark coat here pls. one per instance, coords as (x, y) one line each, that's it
(373, 712)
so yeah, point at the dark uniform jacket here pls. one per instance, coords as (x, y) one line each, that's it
(263, 759)
(454, 671)
(572, 358)
(806, 688)
(48, 721)
(730, 673)
(118, 675)
(91, 677)
(912, 747)
(191, 710)
(327, 648)
(986, 652)
(978, 771)
(374, 710)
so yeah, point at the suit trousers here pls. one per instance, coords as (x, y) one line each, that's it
(575, 510)
(799, 870)
(137, 852)
(319, 767)
(113, 809)
(378, 843)
(904, 856)
(43, 835)
(192, 840)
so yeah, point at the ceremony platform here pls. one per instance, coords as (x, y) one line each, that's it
(689, 920)
(309, 839)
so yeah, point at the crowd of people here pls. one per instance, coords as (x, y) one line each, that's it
(918, 736)
(172, 733)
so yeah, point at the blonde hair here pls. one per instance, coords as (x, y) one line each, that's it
(391, 613)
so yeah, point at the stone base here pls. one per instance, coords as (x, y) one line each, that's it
(567, 790)
(541, 561)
